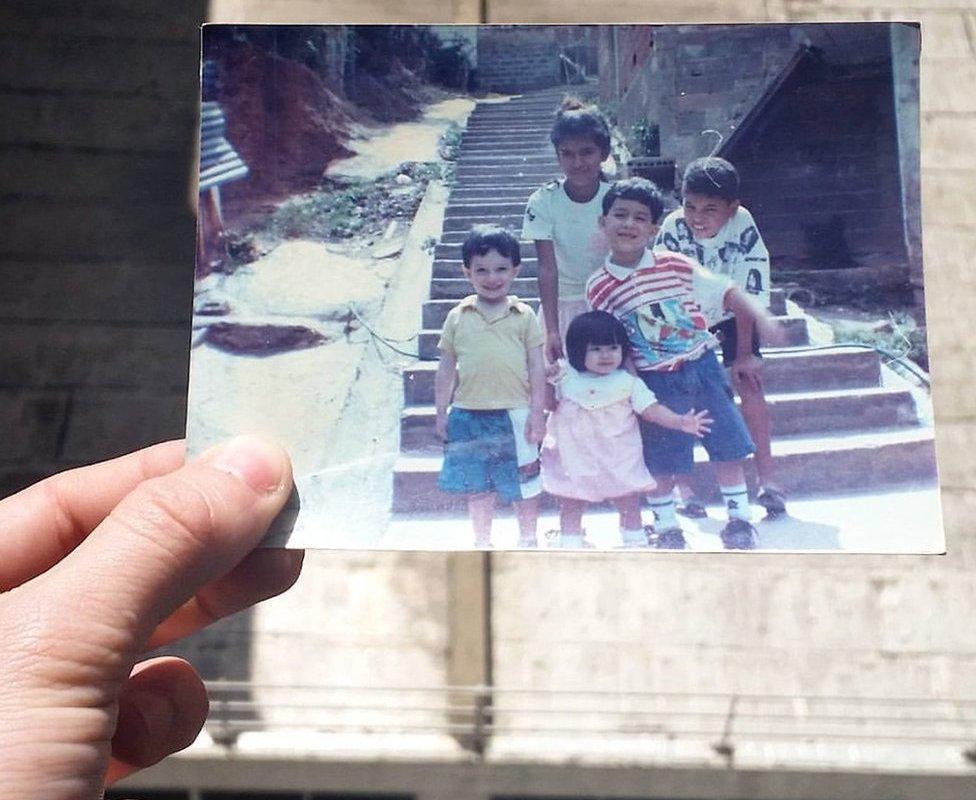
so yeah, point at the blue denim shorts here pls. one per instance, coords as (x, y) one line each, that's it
(701, 385)
(487, 451)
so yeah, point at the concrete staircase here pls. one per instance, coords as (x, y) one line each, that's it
(841, 420)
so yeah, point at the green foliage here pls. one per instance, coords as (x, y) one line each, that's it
(645, 139)
(342, 209)
(900, 335)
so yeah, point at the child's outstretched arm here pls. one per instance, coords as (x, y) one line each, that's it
(535, 425)
(696, 423)
(444, 382)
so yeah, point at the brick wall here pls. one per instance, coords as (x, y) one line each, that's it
(96, 259)
(512, 59)
(691, 79)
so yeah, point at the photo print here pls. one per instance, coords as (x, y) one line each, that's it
(575, 287)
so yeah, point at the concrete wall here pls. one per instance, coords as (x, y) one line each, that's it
(517, 59)
(97, 257)
(688, 80)
(96, 147)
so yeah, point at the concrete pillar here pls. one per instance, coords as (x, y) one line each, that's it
(469, 643)
(905, 84)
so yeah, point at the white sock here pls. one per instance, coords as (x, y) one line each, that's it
(632, 537)
(737, 502)
(664, 514)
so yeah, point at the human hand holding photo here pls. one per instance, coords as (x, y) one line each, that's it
(99, 565)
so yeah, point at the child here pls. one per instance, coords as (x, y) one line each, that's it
(561, 216)
(715, 230)
(491, 350)
(592, 450)
(659, 298)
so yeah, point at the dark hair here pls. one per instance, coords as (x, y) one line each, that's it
(593, 327)
(483, 238)
(712, 177)
(639, 189)
(575, 119)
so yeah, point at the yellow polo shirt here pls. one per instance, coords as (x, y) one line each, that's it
(492, 355)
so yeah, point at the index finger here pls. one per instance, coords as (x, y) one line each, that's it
(46, 521)
(173, 535)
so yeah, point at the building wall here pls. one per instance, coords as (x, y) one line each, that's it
(96, 147)
(96, 259)
(687, 80)
(516, 59)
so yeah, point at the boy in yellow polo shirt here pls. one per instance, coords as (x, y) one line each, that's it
(491, 363)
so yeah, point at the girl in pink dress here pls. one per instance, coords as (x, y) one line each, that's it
(593, 450)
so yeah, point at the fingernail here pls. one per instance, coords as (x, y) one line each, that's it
(256, 461)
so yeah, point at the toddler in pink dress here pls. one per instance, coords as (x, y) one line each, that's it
(593, 450)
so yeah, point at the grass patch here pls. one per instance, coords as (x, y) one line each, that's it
(342, 209)
(900, 335)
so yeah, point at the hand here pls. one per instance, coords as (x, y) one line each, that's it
(535, 427)
(554, 346)
(440, 426)
(100, 564)
(747, 371)
(697, 424)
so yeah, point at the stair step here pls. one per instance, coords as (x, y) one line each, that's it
(804, 465)
(784, 371)
(791, 414)
(466, 208)
(507, 147)
(486, 155)
(500, 140)
(516, 168)
(475, 194)
(512, 222)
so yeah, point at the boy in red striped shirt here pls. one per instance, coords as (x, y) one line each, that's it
(666, 302)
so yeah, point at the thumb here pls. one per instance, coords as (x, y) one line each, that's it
(172, 535)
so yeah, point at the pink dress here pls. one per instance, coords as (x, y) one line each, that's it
(592, 450)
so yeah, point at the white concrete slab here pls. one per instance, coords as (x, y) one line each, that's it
(897, 521)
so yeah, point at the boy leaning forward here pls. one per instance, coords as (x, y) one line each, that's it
(664, 302)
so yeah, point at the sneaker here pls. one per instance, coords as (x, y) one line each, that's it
(555, 539)
(693, 508)
(739, 534)
(638, 541)
(773, 500)
(668, 539)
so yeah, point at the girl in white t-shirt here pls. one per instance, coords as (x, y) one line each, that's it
(592, 450)
(561, 217)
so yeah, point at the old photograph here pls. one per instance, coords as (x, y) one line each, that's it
(575, 287)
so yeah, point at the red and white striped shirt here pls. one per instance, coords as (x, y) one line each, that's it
(665, 303)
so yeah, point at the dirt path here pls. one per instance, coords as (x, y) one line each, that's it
(336, 407)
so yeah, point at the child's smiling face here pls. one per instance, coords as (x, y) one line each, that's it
(491, 274)
(602, 359)
(580, 158)
(706, 215)
(629, 227)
